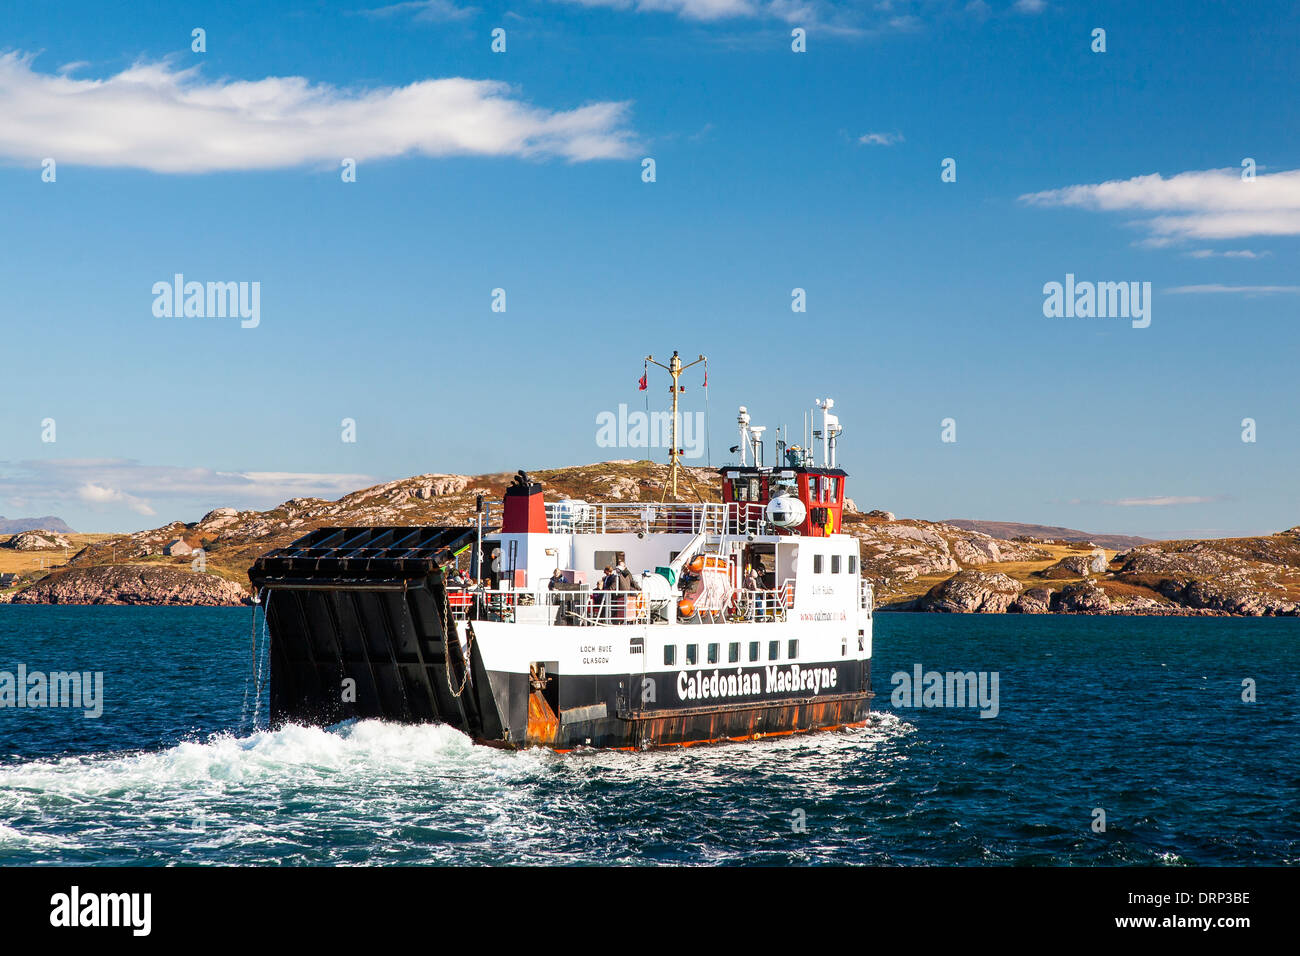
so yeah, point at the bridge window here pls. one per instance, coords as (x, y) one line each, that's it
(853, 564)
(818, 563)
(794, 648)
(773, 650)
(835, 564)
(733, 652)
(753, 651)
(670, 655)
(692, 654)
(713, 653)
(746, 489)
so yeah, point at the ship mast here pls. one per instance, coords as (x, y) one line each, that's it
(675, 369)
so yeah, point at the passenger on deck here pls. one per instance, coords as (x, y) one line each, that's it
(613, 583)
(557, 578)
(603, 601)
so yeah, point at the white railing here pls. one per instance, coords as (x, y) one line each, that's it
(760, 605)
(579, 517)
(573, 608)
(865, 597)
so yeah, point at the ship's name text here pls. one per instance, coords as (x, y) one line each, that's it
(771, 680)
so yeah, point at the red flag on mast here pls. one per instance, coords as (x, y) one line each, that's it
(641, 383)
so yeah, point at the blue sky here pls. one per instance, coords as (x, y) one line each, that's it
(775, 170)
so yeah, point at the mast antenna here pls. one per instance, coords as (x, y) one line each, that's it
(675, 369)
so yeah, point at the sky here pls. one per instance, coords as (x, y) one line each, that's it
(922, 171)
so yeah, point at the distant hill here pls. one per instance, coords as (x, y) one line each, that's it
(961, 565)
(1015, 529)
(48, 523)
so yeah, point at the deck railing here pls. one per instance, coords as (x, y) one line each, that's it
(564, 517)
(590, 607)
(579, 608)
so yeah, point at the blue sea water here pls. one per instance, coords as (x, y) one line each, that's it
(1140, 717)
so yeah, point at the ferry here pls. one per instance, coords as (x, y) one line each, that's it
(718, 621)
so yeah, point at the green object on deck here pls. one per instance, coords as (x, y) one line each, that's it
(667, 574)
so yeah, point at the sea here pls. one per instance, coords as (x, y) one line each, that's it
(1116, 741)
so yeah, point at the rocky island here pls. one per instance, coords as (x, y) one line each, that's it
(914, 565)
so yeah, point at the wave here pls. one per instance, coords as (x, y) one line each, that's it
(348, 753)
(370, 791)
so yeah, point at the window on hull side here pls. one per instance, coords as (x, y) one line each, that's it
(733, 653)
(818, 563)
(753, 651)
(670, 655)
(773, 650)
(692, 653)
(713, 653)
(835, 564)
(853, 564)
(794, 648)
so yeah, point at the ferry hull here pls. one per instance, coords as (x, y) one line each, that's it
(373, 636)
(713, 725)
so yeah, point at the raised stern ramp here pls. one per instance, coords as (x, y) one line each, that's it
(360, 627)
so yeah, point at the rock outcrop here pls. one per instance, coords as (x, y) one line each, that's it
(1245, 576)
(1076, 566)
(133, 584)
(969, 592)
(1033, 601)
(1085, 597)
(37, 541)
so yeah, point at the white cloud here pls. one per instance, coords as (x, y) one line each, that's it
(687, 9)
(1237, 289)
(1200, 204)
(99, 495)
(1160, 501)
(880, 139)
(152, 116)
(424, 11)
(125, 483)
(835, 17)
(1031, 6)
(1228, 254)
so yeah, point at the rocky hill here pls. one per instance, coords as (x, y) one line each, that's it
(108, 584)
(37, 540)
(913, 564)
(47, 523)
(1016, 530)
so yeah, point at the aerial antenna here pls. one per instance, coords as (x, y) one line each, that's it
(675, 369)
(742, 419)
(830, 431)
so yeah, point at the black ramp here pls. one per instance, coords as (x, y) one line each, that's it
(360, 627)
